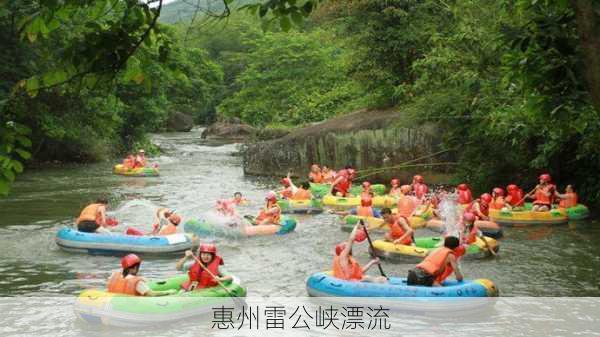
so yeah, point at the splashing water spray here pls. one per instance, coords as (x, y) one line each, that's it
(450, 213)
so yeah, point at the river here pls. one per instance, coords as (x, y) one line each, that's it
(533, 261)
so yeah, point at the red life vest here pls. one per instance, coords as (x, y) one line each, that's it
(396, 232)
(541, 197)
(123, 285)
(515, 197)
(344, 185)
(204, 279)
(364, 211)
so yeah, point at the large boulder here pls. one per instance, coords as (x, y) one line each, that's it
(180, 122)
(374, 140)
(228, 130)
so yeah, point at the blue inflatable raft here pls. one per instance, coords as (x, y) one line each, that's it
(323, 284)
(73, 240)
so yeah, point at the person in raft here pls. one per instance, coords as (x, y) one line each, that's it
(345, 267)
(315, 175)
(395, 189)
(93, 218)
(470, 229)
(419, 187)
(129, 162)
(198, 277)
(543, 194)
(481, 207)
(165, 222)
(437, 265)
(400, 232)
(328, 175)
(140, 159)
(568, 199)
(498, 201)
(465, 196)
(288, 188)
(303, 192)
(515, 196)
(239, 200)
(343, 182)
(271, 213)
(127, 282)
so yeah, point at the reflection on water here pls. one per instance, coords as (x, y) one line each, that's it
(533, 261)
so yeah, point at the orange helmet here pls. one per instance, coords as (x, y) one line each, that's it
(486, 197)
(545, 178)
(207, 248)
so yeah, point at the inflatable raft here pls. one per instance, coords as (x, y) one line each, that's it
(201, 227)
(321, 190)
(578, 212)
(323, 284)
(73, 240)
(528, 217)
(349, 221)
(349, 202)
(488, 228)
(101, 307)
(300, 206)
(423, 245)
(137, 172)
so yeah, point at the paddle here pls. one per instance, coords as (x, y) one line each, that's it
(232, 295)
(372, 250)
(526, 195)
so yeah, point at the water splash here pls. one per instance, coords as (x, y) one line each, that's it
(450, 212)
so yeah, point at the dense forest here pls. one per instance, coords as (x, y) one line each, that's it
(513, 84)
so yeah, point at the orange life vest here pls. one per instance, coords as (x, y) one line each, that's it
(198, 274)
(354, 272)
(396, 232)
(168, 229)
(497, 203)
(420, 190)
(139, 162)
(569, 201)
(406, 205)
(271, 212)
(344, 185)
(541, 197)
(301, 194)
(90, 213)
(123, 285)
(128, 162)
(435, 263)
(316, 178)
(364, 211)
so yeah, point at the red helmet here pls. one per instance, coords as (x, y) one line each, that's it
(339, 248)
(366, 184)
(272, 196)
(499, 192)
(545, 177)
(360, 235)
(463, 187)
(174, 218)
(512, 187)
(486, 197)
(418, 178)
(395, 182)
(469, 217)
(285, 182)
(366, 202)
(130, 260)
(207, 248)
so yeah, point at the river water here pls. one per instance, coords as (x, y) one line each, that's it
(533, 261)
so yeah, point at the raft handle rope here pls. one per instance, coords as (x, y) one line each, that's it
(373, 172)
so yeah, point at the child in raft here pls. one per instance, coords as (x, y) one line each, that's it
(140, 159)
(568, 199)
(465, 195)
(315, 175)
(289, 189)
(303, 192)
(400, 232)
(165, 223)
(271, 213)
(437, 265)
(395, 189)
(239, 200)
(127, 282)
(93, 218)
(198, 276)
(543, 194)
(345, 267)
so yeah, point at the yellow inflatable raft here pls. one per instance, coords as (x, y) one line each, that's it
(349, 202)
(528, 217)
(137, 172)
(423, 245)
(372, 223)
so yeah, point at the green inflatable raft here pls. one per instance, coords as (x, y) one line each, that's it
(96, 306)
(301, 206)
(577, 212)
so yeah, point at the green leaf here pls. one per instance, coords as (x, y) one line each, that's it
(285, 23)
(17, 166)
(9, 174)
(24, 141)
(32, 85)
(4, 187)
(297, 17)
(24, 154)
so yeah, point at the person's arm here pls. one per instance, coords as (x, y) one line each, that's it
(143, 289)
(454, 264)
(335, 182)
(183, 260)
(102, 211)
(408, 231)
(346, 252)
(370, 264)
